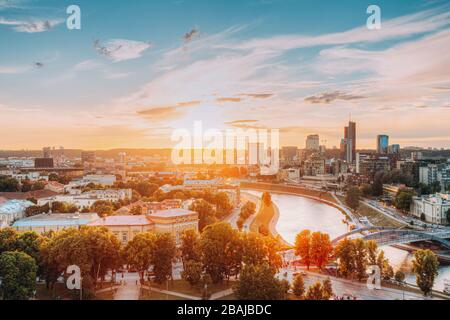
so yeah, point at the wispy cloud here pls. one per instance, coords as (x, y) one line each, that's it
(328, 97)
(30, 26)
(121, 49)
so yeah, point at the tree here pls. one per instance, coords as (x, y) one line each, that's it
(298, 286)
(192, 272)
(206, 213)
(146, 189)
(327, 289)
(399, 276)
(240, 223)
(9, 184)
(247, 210)
(163, 255)
(223, 205)
(315, 292)
(303, 247)
(321, 249)
(18, 274)
(352, 198)
(136, 210)
(35, 210)
(94, 250)
(215, 242)
(266, 199)
(273, 247)
(345, 255)
(102, 208)
(425, 266)
(258, 282)
(360, 256)
(378, 181)
(8, 240)
(253, 249)
(403, 199)
(366, 190)
(190, 246)
(138, 252)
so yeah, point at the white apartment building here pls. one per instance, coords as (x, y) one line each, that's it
(103, 179)
(432, 208)
(12, 210)
(87, 199)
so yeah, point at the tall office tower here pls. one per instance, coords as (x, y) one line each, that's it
(350, 142)
(382, 144)
(313, 142)
(394, 149)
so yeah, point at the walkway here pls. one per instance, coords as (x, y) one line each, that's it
(214, 296)
(130, 288)
(360, 290)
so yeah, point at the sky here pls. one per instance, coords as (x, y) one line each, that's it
(137, 70)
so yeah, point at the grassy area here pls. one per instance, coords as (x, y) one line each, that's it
(263, 218)
(375, 217)
(59, 292)
(182, 286)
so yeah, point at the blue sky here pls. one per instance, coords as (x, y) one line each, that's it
(139, 69)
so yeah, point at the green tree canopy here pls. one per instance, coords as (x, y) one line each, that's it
(18, 274)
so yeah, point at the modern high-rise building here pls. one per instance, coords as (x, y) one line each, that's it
(313, 142)
(382, 144)
(349, 143)
(394, 149)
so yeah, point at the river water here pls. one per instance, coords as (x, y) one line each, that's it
(299, 213)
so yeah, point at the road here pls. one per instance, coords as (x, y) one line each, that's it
(234, 216)
(394, 214)
(359, 290)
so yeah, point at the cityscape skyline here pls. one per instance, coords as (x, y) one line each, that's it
(133, 74)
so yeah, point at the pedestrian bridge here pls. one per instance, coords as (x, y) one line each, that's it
(388, 236)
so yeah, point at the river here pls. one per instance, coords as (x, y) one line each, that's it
(300, 213)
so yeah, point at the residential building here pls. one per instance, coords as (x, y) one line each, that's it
(87, 199)
(12, 210)
(174, 222)
(43, 163)
(369, 164)
(313, 142)
(314, 165)
(171, 221)
(125, 228)
(103, 179)
(54, 222)
(432, 208)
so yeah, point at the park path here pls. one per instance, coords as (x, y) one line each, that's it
(130, 288)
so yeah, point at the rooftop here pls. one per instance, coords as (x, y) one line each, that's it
(171, 213)
(122, 221)
(14, 206)
(57, 219)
